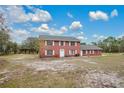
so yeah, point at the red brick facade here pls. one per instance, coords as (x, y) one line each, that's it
(56, 48)
(91, 52)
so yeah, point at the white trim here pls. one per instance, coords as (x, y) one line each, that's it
(75, 43)
(63, 43)
(75, 51)
(69, 52)
(45, 52)
(53, 52)
(69, 43)
(86, 51)
(93, 51)
(89, 51)
(59, 43)
(53, 43)
(81, 52)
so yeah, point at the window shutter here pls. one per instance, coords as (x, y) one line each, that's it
(53, 52)
(59, 43)
(75, 51)
(53, 43)
(45, 52)
(69, 52)
(69, 43)
(93, 51)
(64, 43)
(75, 43)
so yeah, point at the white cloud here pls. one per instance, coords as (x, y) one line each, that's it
(120, 36)
(40, 16)
(80, 35)
(75, 25)
(98, 15)
(54, 31)
(82, 38)
(99, 37)
(114, 13)
(19, 35)
(64, 29)
(16, 14)
(45, 29)
(44, 26)
(70, 15)
(95, 35)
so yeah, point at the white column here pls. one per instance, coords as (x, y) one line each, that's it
(53, 52)
(45, 52)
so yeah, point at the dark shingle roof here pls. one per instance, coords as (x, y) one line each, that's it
(90, 47)
(59, 38)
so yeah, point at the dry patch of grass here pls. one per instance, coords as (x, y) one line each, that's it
(102, 71)
(3, 64)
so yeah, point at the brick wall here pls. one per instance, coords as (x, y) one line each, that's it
(57, 48)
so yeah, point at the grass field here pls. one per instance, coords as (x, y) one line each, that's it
(23, 70)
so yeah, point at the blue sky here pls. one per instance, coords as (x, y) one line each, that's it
(87, 23)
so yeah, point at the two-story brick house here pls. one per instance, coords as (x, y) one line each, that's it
(58, 46)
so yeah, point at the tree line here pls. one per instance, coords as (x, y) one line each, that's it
(111, 44)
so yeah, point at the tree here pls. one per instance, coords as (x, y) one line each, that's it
(94, 43)
(111, 44)
(4, 35)
(83, 43)
(31, 43)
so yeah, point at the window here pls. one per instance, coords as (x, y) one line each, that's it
(49, 52)
(72, 43)
(84, 51)
(62, 43)
(89, 51)
(93, 51)
(49, 42)
(72, 52)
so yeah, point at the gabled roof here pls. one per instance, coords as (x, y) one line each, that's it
(90, 47)
(58, 38)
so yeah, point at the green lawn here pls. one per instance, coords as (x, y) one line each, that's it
(16, 71)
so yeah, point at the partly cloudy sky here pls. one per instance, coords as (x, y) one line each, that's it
(87, 23)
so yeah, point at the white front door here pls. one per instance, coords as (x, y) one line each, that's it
(81, 53)
(62, 53)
